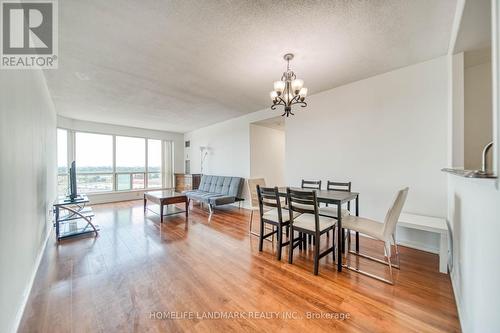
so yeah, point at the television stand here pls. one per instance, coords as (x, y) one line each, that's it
(73, 218)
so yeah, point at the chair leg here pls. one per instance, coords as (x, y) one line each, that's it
(347, 253)
(388, 255)
(261, 235)
(343, 240)
(316, 255)
(397, 251)
(290, 247)
(279, 243)
(333, 244)
(250, 224)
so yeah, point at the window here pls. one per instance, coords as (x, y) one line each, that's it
(154, 163)
(94, 162)
(107, 163)
(130, 154)
(62, 162)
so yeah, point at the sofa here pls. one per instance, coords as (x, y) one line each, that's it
(217, 191)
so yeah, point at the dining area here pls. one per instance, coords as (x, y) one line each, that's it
(325, 221)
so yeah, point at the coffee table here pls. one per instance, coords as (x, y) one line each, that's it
(166, 198)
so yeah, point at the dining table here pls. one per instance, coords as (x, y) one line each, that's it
(337, 198)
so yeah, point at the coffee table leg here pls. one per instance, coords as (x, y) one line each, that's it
(145, 200)
(187, 209)
(161, 212)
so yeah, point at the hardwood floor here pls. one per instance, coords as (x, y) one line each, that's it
(137, 272)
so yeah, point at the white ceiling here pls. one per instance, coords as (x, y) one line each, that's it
(181, 65)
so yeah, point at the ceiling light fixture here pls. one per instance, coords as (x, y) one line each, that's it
(289, 90)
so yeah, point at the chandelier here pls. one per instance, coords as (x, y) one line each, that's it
(289, 90)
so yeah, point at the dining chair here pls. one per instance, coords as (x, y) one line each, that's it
(331, 211)
(311, 184)
(379, 231)
(309, 222)
(275, 215)
(254, 202)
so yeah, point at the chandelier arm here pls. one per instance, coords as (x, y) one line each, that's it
(294, 100)
(280, 102)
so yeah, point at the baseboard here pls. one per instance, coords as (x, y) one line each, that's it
(458, 301)
(417, 246)
(27, 290)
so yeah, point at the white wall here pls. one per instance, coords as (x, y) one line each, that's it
(477, 113)
(229, 147)
(474, 216)
(88, 126)
(267, 154)
(28, 185)
(381, 133)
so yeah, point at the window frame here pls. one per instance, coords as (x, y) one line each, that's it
(71, 156)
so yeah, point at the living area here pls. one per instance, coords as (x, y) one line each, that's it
(206, 166)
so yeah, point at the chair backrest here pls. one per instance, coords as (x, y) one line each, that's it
(392, 216)
(304, 202)
(252, 190)
(311, 184)
(338, 186)
(269, 197)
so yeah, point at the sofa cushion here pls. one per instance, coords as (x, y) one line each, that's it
(221, 200)
(217, 190)
(201, 195)
(228, 186)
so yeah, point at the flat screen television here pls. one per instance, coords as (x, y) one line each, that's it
(72, 182)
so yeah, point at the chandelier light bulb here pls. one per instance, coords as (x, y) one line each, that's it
(279, 86)
(273, 95)
(297, 84)
(303, 92)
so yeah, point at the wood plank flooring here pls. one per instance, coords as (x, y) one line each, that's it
(137, 273)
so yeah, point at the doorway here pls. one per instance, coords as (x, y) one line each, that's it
(267, 150)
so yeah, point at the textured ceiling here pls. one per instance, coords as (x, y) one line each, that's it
(181, 65)
(475, 27)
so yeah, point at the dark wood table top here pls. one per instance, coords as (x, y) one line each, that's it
(164, 194)
(326, 195)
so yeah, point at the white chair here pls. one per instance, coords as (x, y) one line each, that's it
(254, 202)
(380, 231)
